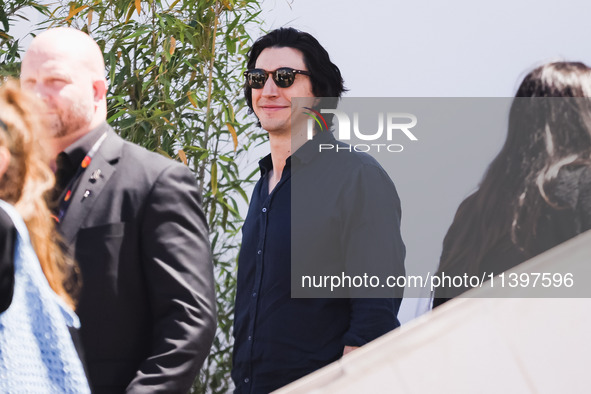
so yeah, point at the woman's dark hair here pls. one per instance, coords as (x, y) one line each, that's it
(549, 129)
(325, 75)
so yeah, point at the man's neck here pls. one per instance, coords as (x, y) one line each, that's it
(280, 151)
(59, 144)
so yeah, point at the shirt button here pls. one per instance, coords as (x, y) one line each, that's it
(254, 294)
(259, 252)
(246, 380)
(264, 210)
(250, 337)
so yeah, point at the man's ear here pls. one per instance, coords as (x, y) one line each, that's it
(99, 87)
(4, 160)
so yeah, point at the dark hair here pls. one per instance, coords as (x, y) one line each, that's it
(325, 76)
(544, 136)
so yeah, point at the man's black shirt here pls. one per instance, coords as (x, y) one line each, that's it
(68, 162)
(352, 203)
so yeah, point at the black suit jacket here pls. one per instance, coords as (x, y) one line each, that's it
(147, 304)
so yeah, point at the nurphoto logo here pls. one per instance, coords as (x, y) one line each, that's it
(396, 124)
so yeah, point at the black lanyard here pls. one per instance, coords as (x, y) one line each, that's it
(65, 203)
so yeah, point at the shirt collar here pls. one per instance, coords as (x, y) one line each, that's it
(305, 154)
(266, 165)
(309, 150)
(76, 151)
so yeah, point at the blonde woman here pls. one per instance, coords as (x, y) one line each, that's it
(36, 306)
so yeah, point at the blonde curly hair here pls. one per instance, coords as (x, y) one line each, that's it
(26, 181)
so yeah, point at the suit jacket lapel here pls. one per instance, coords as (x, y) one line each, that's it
(92, 182)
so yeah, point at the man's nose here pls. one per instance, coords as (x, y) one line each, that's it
(270, 89)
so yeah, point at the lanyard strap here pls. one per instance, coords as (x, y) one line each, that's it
(65, 203)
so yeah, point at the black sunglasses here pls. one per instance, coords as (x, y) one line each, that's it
(283, 77)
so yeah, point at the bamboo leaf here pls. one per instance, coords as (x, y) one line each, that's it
(183, 156)
(138, 6)
(234, 135)
(242, 193)
(214, 178)
(192, 99)
(232, 114)
(136, 33)
(147, 71)
(172, 45)
(117, 115)
(129, 14)
(225, 217)
(173, 4)
(163, 152)
(4, 19)
(196, 148)
(233, 24)
(225, 204)
(74, 11)
(90, 12)
(212, 211)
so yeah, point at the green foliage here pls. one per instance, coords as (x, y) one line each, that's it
(10, 12)
(175, 72)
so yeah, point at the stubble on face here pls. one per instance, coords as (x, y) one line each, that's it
(60, 67)
(67, 121)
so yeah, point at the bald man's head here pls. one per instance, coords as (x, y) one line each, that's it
(65, 67)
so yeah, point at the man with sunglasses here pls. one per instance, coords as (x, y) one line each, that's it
(279, 339)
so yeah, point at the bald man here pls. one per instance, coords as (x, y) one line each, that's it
(134, 222)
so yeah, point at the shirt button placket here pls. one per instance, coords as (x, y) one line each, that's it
(254, 294)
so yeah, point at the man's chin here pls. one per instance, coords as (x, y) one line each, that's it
(58, 133)
(274, 127)
(54, 126)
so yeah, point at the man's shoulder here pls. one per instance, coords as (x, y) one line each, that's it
(138, 172)
(144, 161)
(355, 160)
